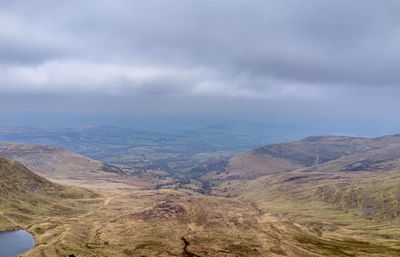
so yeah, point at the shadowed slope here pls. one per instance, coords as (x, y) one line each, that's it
(26, 196)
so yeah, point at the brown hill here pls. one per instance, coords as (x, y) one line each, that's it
(353, 174)
(26, 196)
(49, 161)
(171, 223)
(69, 221)
(382, 155)
(347, 189)
(65, 167)
(315, 153)
(331, 213)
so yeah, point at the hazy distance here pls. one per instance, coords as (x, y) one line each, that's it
(324, 67)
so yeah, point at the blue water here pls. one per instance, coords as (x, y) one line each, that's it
(13, 243)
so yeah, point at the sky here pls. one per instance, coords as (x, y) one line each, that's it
(288, 60)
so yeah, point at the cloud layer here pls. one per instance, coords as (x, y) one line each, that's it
(272, 50)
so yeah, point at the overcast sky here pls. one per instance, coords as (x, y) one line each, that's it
(157, 56)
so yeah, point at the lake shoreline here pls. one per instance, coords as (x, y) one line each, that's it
(17, 228)
(16, 242)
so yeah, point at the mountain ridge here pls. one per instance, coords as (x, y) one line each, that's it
(308, 154)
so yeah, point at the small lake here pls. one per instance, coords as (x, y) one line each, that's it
(13, 243)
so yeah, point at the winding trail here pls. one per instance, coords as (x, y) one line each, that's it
(106, 202)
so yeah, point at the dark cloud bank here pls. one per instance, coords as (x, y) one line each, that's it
(272, 58)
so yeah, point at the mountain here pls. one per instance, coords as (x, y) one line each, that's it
(343, 190)
(382, 154)
(316, 153)
(49, 161)
(288, 204)
(26, 196)
(65, 167)
(334, 170)
(70, 221)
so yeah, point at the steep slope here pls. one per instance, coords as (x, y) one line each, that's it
(285, 157)
(354, 196)
(65, 167)
(26, 196)
(383, 156)
(361, 175)
(338, 208)
(313, 153)
(50, 161)
(367, 194)
(16, 178)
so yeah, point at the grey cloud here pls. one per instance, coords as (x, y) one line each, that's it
(232, 48)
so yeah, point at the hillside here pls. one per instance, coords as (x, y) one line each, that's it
(341, 189)
(354, 174)
(26, 196)
(297, 199)
(49, 161)
(314, 153)
(65, 167)
(337, 207)
(383, 155)
(69, 221)
(72, 221)
(170, 223)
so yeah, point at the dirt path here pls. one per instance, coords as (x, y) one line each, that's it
(106, 202)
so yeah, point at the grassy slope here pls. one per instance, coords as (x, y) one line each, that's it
(65, 167)
(338, 213)
(169, 223)
(310, 152)
(73, 221)
(50, 161)
(355, 212)
(26, 197)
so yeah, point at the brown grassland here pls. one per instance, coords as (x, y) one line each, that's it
(329, 196)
